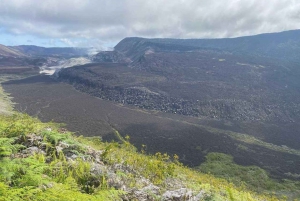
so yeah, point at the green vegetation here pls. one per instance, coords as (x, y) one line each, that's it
(251, 177)
(45, 175)
(49, 174)
(5, 103)
(251, 140)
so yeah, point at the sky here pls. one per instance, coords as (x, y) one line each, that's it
(103, 23)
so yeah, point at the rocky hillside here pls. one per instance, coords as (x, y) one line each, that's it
(27, 59)
(237, 79)
(44, 162)
(36, 51)
(238, 86)
(110, 56)
(284, 46)
(7, 51)
(210, 84)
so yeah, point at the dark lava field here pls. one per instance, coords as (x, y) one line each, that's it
(189, 137)
(184, 97)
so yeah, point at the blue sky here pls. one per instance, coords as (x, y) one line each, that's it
(10, 39)
(103, 23)
(14, 39)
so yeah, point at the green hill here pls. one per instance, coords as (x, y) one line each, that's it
(40, 161)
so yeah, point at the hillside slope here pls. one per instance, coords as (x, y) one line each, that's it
(283, 46)
(209, 84)
(41, 161)
(7, 51)
(44, 162)
(245, 78)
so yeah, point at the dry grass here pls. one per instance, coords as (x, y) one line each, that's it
(5, 103)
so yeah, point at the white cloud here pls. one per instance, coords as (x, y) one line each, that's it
(112, 20)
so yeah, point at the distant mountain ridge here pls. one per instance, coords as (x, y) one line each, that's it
(29, 58)
(37, 51)
(32, 50)
(283, 45)
(8, 52)
(246, 78)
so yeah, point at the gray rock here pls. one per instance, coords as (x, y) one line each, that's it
(32, 150)
(94, 155)
(61, 146)
(32, 140)
(97, 169)
(115, 181)
(181, 194)
(147, 193)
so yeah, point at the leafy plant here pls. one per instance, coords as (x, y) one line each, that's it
(49, 175)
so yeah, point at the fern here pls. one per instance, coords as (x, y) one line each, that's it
(8, 147)
(52, 177)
